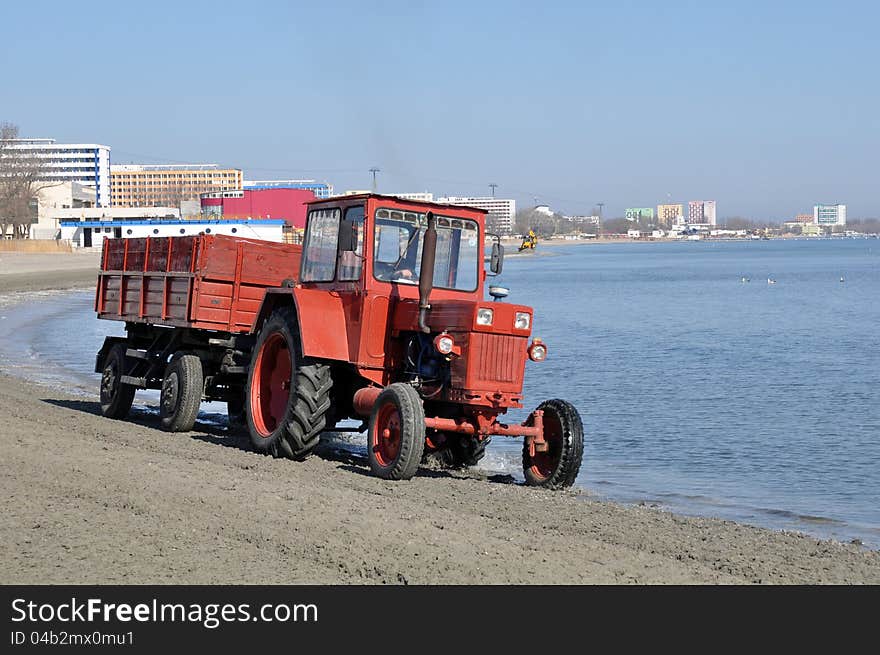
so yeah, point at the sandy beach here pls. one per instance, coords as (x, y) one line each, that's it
(91, 500)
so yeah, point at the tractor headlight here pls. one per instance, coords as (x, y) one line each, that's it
(537, 351)
(444, 344)
(485, 316)
(522, 320)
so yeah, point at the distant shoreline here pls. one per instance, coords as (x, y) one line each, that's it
(515, 243)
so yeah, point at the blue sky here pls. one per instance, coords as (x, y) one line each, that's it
(767, 107)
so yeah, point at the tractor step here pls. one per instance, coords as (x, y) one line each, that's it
(137, 354)
(133, 381)
(235, 370)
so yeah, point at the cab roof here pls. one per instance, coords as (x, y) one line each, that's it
(395, 199)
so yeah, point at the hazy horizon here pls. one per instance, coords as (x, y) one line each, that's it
(766, 109)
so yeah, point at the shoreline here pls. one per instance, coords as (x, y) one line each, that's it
(118, 501)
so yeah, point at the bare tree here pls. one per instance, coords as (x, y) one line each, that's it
(544, 224)
(20, 184)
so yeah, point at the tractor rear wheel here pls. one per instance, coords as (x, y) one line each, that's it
(116, 397)
(396, 438)
(558, 466)
(288, 396)
(181, 395)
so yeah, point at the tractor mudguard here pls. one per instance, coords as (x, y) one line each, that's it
(321, 317)
(322, 324)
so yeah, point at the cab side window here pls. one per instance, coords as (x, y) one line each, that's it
(319, 249)
(351, 262)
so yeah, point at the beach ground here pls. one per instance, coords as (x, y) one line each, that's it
(84, 499)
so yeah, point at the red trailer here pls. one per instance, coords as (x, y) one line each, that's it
(379, 316)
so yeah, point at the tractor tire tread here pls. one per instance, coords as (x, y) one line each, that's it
(412, 441)
(309, 402)
(572, 447)
(119, 406)
(192, 384)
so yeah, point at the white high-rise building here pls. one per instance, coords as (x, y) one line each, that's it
(501, 211)
(829, 215)
(701, 212)
(85, 163)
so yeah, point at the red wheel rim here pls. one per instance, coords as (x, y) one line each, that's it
(270, 388)
(544, 464)
(386, 435)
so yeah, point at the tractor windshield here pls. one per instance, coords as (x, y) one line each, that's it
(397, 251)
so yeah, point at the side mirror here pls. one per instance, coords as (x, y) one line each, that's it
(348, 240)
(496, 259)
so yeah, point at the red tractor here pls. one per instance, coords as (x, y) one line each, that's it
(379, 316)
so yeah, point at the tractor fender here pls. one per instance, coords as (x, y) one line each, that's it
(320, 316)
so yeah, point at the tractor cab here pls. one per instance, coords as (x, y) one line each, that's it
(375, 244)
(411, 278)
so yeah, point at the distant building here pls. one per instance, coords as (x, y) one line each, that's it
(267, 202)
(670, 214)
(168, 185)
(803, 218)
(701, 212)
(501, 211)
(320, 189)
(583, 221)
(84, 163)
(639, 214)
(544, 209)
(91, 234)
(420, 197)
(57, 198)
(829, 215)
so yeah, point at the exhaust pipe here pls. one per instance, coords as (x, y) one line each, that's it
(426, 273)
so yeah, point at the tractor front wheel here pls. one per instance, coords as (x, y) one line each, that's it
(558, 466)
(397, 433)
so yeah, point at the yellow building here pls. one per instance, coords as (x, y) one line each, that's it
(168, 186)
(670, 214)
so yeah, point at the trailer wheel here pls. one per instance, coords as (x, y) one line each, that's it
(558, 467)
(287, 396)
(182, 389)
(397, 433)
(116, 397)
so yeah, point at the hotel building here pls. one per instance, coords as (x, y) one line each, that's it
(640, 214)
(168, 185)
(83, 163)
(701, 212)
(501, 214)
(670, 214)
(829, 215)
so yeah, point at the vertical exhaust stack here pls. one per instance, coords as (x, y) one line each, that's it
(426, 274)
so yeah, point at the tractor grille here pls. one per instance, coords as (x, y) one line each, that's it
(496, 357)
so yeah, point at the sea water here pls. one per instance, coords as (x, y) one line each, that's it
(703, 388)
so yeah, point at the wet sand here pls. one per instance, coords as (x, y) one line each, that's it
(84, 499)
(21, 271)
